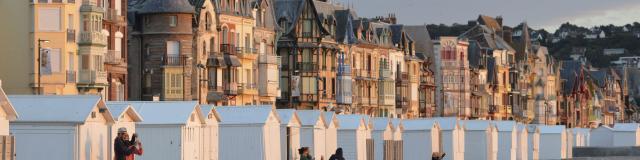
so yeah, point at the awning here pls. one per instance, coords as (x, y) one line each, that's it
(216, 61)
(232, 61)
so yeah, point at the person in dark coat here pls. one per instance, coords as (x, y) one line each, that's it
(122, 147)
(337, 155)
(304, 153)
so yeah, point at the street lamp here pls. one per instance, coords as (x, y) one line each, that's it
(40, 41)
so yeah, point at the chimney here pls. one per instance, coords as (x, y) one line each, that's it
(499, 19)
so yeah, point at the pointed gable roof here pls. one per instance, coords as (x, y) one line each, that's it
(490, 22)
(289, 117)
(166, 112)
(330, 117)
(68, 109)
(421, 36)
(291, 10)
(210, 109)
(119, 109)
(246, 114)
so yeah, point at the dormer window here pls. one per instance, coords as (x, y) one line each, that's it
(208, 21)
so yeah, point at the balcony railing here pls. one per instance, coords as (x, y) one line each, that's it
(227, 49)
(247, 88)
(93, 38)
(92, 77)
(71, 35)
(244, 52)
(231, 88)
(71, 77)
(175, 60)
(113, 57)
(268, 59)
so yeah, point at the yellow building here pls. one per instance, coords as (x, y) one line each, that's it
(28, 24)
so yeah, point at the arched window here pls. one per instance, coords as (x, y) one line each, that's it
(208, 21)
(224, 35)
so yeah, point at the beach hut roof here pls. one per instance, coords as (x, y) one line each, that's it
(551, 128)
(419, 124)
(351, 122)
(507, 126)
(311, 117)
(380, 124)
(397, 123)
(117, 110)
(73, 109)
(246, 114)
(477, 125)
(6, 105)
(210, 109)
(288, 116)
(626, 127)
(447, 123)
(330, 117)
(165, 112)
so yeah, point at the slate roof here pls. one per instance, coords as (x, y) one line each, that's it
(245, 114)
(569, 72)
(166, 6)
(418, 124)
(350, 122)
(37, 108)
(165, 112)
(626, 127)
(599, 77)
(291, 10)
(344, 27)
(422, 39)
(486, 38)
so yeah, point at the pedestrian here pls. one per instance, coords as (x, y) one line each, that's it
(135, 146)
(121, 146)
(337, 155)
(304, 153)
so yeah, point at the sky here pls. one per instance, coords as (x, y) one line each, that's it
(547, 14)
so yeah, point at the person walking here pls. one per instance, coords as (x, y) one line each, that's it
(337, 155)
(121, 147)
(304, 153)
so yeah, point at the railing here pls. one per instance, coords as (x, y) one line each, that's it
(231, 88)
(113, 57)
(246, 52)
(71, 35)
(227, 49)
(111, 14)
(306, 34)
(71, 77)
(175, 60)
(93, 37)
(268, 59)
(308, 66)
(92, 77)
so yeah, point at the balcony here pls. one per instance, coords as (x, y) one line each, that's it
(92, 77)
(71, 35)
(308, 66)
(270, 89)
(228, 49)
(247, 53)
(92, 38)
(175, 60)
(71, 77)
(231, 88)
(111, 14)
(268, 59)
(247, 88)
(114, 57)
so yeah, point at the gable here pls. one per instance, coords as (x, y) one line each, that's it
(97, 115)
(273, 119)
(308, 12)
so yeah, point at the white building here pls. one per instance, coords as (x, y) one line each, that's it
(124, 116)
(331, 133)
(249, 132)
(601, 137)
(210, 132)
(581, 137)
(420, 139)
(382, 136)
(313, 132)
(9, 113)
(480, 139)
(452, 138)
(64, 127)
(289, 133)
(352, 136)
(626, 134)
(507, 139)
(170, 130)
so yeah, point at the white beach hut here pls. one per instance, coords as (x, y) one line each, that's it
(6, 109)
(331, 133)
(480, 139)
(352, 136)
(171, 130)
(289, 133)
(601, 137)
(523, 143)
(382, 136)
(452, 138)
(420, 139)
(395, 148)
(313, 132)
(507, 139)
(533, 141)
(553, 142)
(581, 137)
(124, 116)
(210, 132)
(369, 144)
(61, 127)
(249, 132)
(626, 134)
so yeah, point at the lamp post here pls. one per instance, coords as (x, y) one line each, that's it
(201, 68)
(40, 41)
